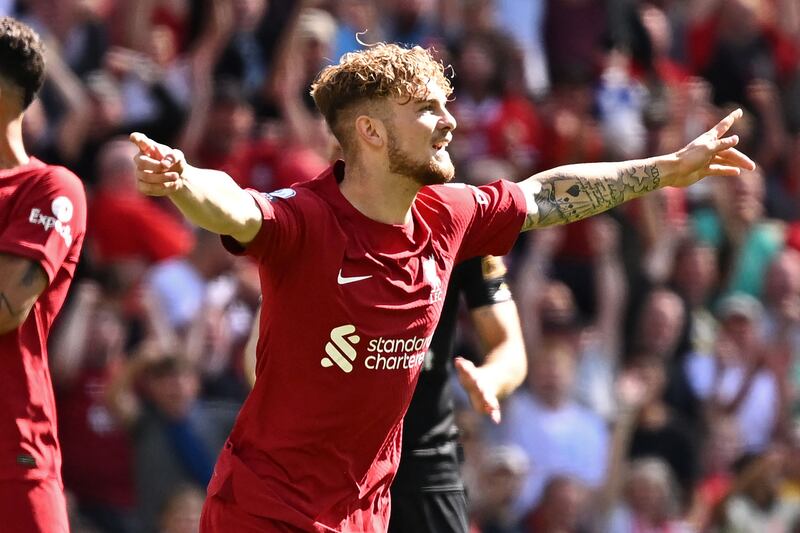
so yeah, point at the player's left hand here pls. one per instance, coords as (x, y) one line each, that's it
(711, 154)
(478, 385)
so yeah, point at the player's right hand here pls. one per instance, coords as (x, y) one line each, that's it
(159, 168)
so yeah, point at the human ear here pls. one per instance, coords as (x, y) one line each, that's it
(370, 130)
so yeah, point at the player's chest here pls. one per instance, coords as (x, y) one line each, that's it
(400, 282)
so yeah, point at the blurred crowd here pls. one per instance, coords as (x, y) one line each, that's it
(663, 392)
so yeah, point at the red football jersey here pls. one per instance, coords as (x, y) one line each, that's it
(350, 305)
(43, 218)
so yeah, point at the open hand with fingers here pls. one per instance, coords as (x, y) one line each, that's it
(159, 168)
(480, 388)
(712, 154)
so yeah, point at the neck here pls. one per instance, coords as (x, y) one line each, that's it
(382, 196)
(12, 150)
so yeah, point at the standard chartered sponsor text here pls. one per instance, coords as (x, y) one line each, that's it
(382, 353)
(396, 354)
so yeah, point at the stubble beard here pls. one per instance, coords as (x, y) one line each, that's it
(428, 172)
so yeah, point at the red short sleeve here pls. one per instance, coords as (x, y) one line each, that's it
(48, 220)
(280, 230)
(499, 210)
(476, 221)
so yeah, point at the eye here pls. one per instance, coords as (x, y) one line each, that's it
(428, 107)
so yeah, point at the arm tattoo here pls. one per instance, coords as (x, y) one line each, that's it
(567, 198)
(29, 276)
(5, 303)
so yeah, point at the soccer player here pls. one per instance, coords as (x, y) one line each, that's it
(42, 224)
(427, 492)
(353, 266)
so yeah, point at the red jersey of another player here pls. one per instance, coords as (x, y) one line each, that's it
(350, 305)
(42, 218)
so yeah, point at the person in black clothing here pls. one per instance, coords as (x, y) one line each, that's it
(660, 431)
(427, 493)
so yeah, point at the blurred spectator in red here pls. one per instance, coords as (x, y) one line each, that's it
(573, 33)
(98, 463)
(263, 164)
(736, 41)
(493, 123)
(563, 508)
(122, 221)
(721, 448)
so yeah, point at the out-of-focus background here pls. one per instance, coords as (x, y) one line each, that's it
(664, 338)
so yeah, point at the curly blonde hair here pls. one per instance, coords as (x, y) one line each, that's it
(378, 72)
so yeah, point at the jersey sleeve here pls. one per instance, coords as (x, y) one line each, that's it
(484, 281)
(281, 227)
(491, 217)
(48, 221)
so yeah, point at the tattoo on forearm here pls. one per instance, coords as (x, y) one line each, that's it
(29, 276)
(567, 198)
(4, 302)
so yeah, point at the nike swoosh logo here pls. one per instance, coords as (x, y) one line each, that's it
(344, 281)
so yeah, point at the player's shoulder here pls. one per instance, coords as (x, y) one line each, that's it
(452, 193)
(59, 178)
(300, 197)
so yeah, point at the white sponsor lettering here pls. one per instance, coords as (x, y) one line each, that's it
(53, 223)
(382, 353)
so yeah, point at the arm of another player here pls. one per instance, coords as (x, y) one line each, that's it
(505, 366)
(572, 192)
(208, 198)
(22, 280)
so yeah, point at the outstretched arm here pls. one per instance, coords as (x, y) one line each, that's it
(572, 192)
(207, 198)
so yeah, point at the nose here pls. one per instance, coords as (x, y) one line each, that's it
(449, 120)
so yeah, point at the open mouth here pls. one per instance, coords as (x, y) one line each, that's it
(441, 145)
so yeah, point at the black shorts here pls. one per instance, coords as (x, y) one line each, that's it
(428, 512)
